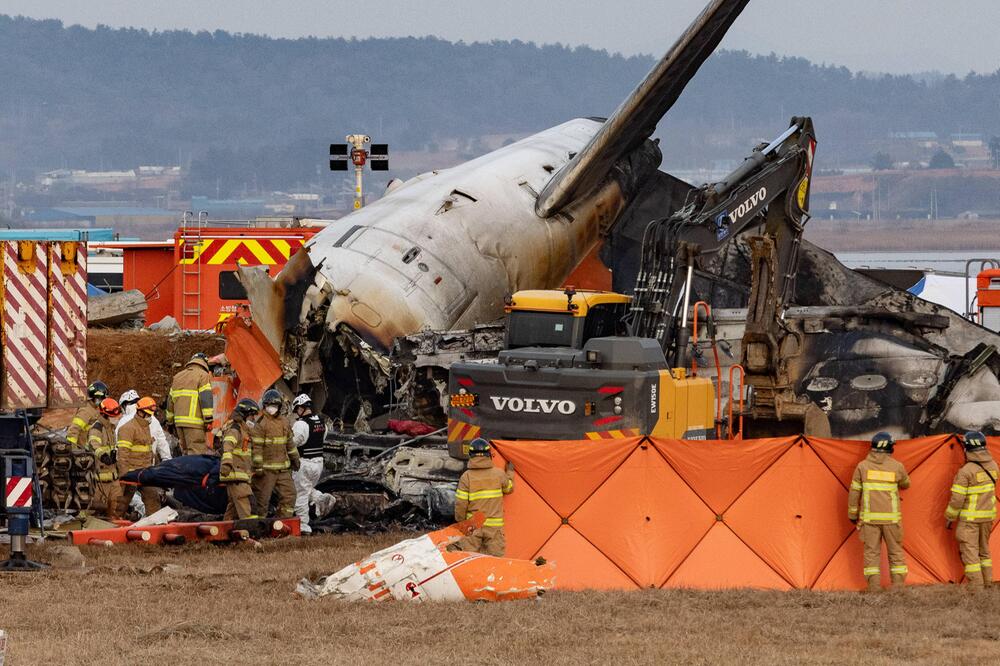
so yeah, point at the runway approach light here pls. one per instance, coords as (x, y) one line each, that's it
(377, 158)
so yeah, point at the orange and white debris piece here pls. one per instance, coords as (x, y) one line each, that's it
(422, 569)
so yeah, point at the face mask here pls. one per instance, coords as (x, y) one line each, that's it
(272, 409)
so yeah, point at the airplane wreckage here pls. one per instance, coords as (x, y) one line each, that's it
(369, 317)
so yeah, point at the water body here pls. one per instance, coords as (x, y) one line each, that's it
(944, 261)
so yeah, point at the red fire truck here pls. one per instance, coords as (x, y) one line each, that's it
(194, 280)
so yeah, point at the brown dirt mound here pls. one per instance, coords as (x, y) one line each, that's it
(143, 360)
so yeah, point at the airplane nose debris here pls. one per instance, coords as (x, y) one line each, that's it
(422, 570)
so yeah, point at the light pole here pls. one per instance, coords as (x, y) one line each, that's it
(378, 158)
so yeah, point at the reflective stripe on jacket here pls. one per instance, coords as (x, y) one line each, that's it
(237, 452)
(973, 493)
(874, 494)
(481, 488)
(101, 440)
(189, 404)
(272, 443)
(135, 446)
(78, 427)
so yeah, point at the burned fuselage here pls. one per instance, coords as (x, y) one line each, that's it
(441, 251)
(869, 356)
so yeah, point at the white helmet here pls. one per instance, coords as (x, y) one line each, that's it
(301, 400)
(128, 397)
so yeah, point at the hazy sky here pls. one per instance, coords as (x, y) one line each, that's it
(869, 35)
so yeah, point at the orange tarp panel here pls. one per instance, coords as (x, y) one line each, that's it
(804, 511)
(569, 471)
(532, 534)
(721, 561)
(768, 513)
(721, 470)
(580, 566)
(644, 518)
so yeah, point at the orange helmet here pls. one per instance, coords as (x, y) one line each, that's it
(109, 407)
(147, 405)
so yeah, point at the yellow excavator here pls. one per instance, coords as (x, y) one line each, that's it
(598, 365)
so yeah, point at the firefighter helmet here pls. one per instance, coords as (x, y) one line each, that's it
(246, 408)
(97, 390)
(128, 397)
(479, 447)
(974, 441)
(110, 408)
(271, 397)
(301, 400)
(883, 442)
(147, 405)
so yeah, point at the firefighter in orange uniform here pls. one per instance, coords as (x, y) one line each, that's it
(87, 414)
(482, 488)
(974, 504)
(274, 457)
(237, 460)
(873, 505)
(190, 406)
(135, 451)
(101, 441)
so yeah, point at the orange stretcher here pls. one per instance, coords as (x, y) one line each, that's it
(180, 533)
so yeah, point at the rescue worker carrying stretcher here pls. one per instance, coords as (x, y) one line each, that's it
(135, 451)
(190, 406)
(274, 457)
(101, 441)
(481, 488)
(237, 460)
(873, 505)
(974, 504)
(87, 414)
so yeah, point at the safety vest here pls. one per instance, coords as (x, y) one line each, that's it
(236, 450)
(875, 486)
(313, 448)
(272, 443)
(190, 402)
(135, 446)
(101, 440)
(973, 493)
(481, 488)
(78, 427)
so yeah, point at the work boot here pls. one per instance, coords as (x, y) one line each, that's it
(898, 581)
(988, 576)
(875, 583)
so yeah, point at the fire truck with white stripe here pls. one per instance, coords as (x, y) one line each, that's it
(43, 363)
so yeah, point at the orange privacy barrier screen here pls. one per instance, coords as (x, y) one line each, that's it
(765, 513)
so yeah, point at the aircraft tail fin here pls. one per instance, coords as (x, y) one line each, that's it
(635, 119)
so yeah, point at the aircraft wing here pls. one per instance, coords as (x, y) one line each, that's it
(635, 119)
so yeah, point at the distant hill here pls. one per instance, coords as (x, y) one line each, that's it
(244, 109)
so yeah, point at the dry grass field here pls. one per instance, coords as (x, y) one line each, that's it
(234, 604)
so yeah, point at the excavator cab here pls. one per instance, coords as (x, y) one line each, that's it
(566, 318)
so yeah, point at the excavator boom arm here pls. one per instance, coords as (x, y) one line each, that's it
(770, 189)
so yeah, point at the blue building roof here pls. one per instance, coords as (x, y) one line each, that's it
(99, 234)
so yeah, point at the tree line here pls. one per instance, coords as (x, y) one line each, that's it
(247, 109)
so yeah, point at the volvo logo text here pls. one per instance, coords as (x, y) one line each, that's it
(747, 206)
(533, 405)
